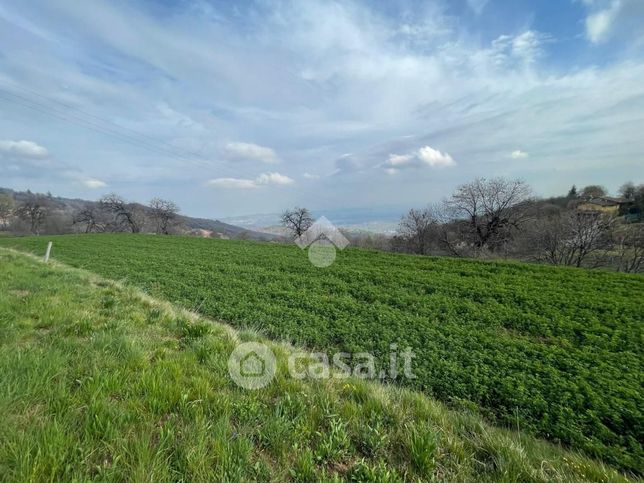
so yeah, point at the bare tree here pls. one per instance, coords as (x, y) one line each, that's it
(90, 217)
(34, 211)
(573, 238)
(7, 207)
(629, 246)
(492, 209)
(164, 214)
(297, 220)
(417, 229)
(125, 214)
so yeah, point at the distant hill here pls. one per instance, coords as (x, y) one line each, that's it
(68, 206)
(231, 231)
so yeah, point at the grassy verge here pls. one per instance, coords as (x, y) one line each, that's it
(98, 381)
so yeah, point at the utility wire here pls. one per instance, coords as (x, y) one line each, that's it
(75, 115)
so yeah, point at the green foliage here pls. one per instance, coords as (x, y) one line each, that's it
(422, 446)
(555, 352)
(99, 382)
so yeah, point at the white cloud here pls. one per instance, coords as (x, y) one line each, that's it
(266, 179)
(434, 158)
(608, 18)
(274, 179)
(599, 24)
(311, 176)
(23, 149)
(368, 82)
(236, 183)
(250, 152)
(396, 160)
(526, 47)
(518, 154)
(423, 157)
(94, 183)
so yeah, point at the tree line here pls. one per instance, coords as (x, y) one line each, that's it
(33, 213)
(485, 218)
(501, 218)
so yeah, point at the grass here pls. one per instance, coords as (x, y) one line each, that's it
(554, 351)
(99, 381)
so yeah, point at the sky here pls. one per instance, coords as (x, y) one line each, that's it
(232, 108)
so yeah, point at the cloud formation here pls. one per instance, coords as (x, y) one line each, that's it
(266, 179)
(304, 82)
(273, 179)
(23, 149)
(607, 18)
(250, 152)
(234, 183)
(524, 48)
(29, 160)
(94, 183)
(518, 154)
(425, 157)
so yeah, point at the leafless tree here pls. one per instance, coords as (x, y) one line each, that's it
(7, 207)
(164, 214)
(33, 210)
(629, 246)
(125, 214)
(572, 238)
(492, 210)
(417, 229)
(297, 220)
(90, 217)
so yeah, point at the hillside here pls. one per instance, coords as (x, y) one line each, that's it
(66, 207)
(556, 352)
(102, 382)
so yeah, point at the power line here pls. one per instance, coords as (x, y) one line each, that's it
(94, 126)
(75, 115)
(106, 121)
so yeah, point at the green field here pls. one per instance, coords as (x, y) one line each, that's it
(550, 351)
(99, 382)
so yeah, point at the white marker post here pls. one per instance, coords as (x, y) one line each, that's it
(48, 252)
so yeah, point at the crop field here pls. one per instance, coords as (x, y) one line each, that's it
(99, 382)
(549, 351)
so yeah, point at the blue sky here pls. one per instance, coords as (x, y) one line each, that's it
(251, 107)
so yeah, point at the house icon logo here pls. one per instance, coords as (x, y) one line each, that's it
(252, 365)
(322, 239)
